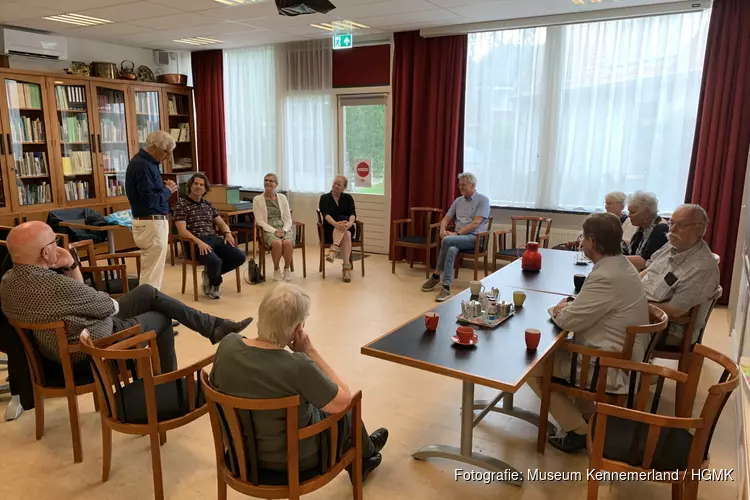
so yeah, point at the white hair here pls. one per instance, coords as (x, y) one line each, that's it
(616, 197)
(641, 199)
(160, 140)
(283, 308)
(697, 213)
(469, 177)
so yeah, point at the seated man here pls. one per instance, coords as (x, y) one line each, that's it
(611, 300)
(471, 211)
(45, 285)
(198, 220)
(263, 368)
(684, 272)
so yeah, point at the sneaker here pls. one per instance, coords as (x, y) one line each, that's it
(277, 275)
(430, 284)
(444, 294)
(570, 443)
(215, 292)
(206, 284)
(287, 275)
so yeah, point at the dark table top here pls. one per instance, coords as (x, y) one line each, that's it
(556, 275)
(499, 360)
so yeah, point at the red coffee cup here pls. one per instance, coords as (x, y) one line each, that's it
(465, 333)
(532, 338)
(431, 320)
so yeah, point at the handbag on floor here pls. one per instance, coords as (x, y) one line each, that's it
(254, 275)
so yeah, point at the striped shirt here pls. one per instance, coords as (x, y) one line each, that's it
(33, 294)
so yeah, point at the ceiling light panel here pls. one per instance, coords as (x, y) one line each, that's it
(198, 40)
(78, 19)
(340, 25)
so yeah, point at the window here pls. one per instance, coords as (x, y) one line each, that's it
(362, 137)
(557, 117)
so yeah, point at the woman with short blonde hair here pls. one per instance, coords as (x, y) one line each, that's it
(272, 214)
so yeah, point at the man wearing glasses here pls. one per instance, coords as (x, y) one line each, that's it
(149, 201)
(683, 273)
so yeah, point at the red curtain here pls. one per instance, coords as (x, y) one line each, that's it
(365, 66)
(722, 138)
(429, 81)
(208, 84)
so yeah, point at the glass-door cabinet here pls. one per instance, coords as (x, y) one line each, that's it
(78, 147)
(147, 114)
(179, 104)
(113, 144)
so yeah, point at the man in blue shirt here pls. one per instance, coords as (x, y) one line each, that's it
(470, 211)
(149, 201)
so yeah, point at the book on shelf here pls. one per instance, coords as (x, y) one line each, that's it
(23, 95)
(184, 135)
(34, 194)
(175, 133)
(111, 101)
(74, 128)
(70, 98)
(77, 190)
(177, 104)
(113, 130)
(24, 129)
(147, 103)
(183, 164)
(31, 164)
(115, 161)
(115, 186)
(77, 163)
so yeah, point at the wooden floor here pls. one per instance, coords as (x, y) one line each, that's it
(418, 408)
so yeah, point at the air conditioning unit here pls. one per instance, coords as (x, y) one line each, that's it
(30, 44)
(165, 58)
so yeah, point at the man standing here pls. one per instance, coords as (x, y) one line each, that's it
(471, 211)
(198, 220)
(149, 201)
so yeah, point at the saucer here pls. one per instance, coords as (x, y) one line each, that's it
(471, 342)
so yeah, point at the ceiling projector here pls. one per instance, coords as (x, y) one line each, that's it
(300, 7)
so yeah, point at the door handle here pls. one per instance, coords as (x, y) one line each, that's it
(99, 139)
(2, 147)
(10, 144)
(93, 143)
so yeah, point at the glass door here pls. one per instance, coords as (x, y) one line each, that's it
(27, 143)
(147, 115)
(113, 138)
(77, 145)
(179, 111)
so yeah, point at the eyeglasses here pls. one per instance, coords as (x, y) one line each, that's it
(682, 225)
(56, 242)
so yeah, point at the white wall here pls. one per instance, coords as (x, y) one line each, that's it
(737, 264)
(88, 51)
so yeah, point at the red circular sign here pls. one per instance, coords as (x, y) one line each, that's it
(363, 169)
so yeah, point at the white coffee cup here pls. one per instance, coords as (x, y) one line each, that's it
(476, 287)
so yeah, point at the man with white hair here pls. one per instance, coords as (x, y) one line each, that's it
(470, 211)
(263, 368)
(684, 273)
(149, 201)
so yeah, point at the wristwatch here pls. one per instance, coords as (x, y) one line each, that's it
(66, 269)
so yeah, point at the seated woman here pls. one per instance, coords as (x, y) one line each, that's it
(651, 230)
(271, 210)
(614, 203)
(263, 368)
(337, 210)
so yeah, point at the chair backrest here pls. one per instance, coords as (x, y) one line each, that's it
(238, 457)
(533, 230)
(657, 323)
(421, 218)
(693, 323)
(28, 339)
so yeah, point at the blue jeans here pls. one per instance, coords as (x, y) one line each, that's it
(449, 248)
(223, 259)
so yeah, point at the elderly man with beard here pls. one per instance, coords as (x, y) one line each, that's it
(683, 273)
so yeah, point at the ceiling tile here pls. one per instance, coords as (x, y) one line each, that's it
(16, 11)
(189, 5)
(254, 11)
(211, 30)
(174, 21)
(130, 11)
(75, 5)
(114, 30)
(381, 8)
(437, 15)
(461, 3)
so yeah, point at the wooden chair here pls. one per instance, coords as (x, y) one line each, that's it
(658, 349)
(481, 248)
(636, 439)
(175, 249)
(237, 463)
(136, 399)
(358, 241)
(192, 260)
(421, 231)
(56, 380)
(537, 229)
(111, 277)
(245, 225)
(575, 385)
(299, 243)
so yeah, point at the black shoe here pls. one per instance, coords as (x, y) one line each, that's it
(226, 327)
(368, 465)
(379, 438)
(570, 443)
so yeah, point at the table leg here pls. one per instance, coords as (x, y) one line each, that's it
(465, 454)
(507, 408)
(110, 241)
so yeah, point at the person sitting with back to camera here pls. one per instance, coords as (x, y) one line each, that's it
(272, 214)
(263, 368)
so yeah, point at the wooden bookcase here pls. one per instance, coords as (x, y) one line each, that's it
(66, 140)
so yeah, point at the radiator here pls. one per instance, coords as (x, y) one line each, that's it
(556, 237)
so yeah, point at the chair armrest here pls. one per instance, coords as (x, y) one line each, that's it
(498, 232)
(117, 337)
(588, 351)
(401, 221)
(482, 241)
(184, 372)
(117, 255)
(126, 344)
(545, 239)
(331, 420)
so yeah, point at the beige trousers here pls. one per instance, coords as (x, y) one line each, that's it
(561, 406)
(152, 237)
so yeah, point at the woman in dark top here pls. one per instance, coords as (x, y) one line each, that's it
(337, 210)
(651, 232)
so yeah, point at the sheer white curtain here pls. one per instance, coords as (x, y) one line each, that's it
(307, 116)
(250, 94)
(598, 107)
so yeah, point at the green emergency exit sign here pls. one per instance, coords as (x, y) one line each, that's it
(342, 41)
